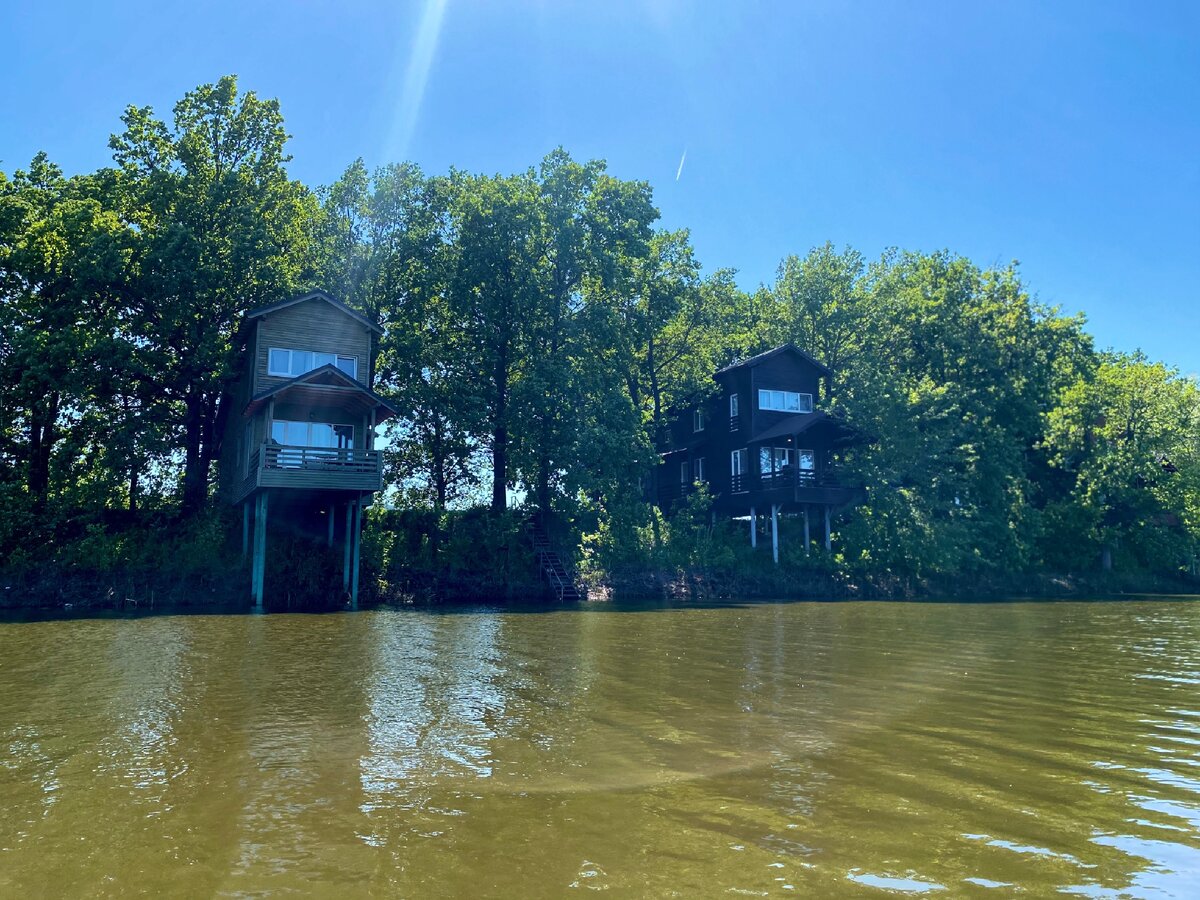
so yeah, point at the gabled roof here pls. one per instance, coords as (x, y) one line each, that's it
(315, 295)
(326, 376)
(789, 347)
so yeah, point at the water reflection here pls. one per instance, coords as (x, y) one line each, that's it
(761, 749)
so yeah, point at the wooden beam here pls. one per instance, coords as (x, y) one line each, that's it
(753, 528)
(807, 538)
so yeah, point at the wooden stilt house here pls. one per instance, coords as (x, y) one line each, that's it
(299, 446)
(762, 446)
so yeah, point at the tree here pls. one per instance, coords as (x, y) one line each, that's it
(221, 228)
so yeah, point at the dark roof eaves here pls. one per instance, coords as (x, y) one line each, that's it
(775, 351)
(328, 367)
(315, 295)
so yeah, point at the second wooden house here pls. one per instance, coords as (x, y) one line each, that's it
(762, 445)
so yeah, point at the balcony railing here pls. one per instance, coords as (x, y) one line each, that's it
(324, 459)
(315, 468)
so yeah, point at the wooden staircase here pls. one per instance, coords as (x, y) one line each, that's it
(561, 581)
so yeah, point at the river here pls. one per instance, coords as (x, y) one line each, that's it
(790, 749)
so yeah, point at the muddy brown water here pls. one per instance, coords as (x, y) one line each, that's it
(810, 749)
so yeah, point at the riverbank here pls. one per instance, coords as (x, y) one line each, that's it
(225, 588)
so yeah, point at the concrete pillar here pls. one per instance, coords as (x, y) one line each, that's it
(828, 530)
(775, 532)
(807, 538)
(753, 528)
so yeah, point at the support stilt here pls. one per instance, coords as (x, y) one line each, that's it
(753, 528)
(346, 552)
(775, 532)
(245, 528)
(807, 537)
(260, 550)
(330, 512)
(357, 553)
(828, 531)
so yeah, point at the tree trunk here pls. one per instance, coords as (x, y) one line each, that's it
(195, 473)
(42, 436)
(500, 436)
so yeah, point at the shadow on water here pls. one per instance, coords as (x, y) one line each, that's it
(537, 606)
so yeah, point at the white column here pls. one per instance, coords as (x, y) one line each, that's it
(753, 528)
(807, 539)
(775, 532)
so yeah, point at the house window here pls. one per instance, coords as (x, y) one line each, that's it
(684, 468)
(733, 405)
(738, 464)
(699, 469)
(698, 420)
(290, 363)
(785, 401)
(312, 434)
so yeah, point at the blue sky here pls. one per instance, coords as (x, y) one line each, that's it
(1065, 135)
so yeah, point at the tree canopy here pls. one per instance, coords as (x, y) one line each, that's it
(541, 330)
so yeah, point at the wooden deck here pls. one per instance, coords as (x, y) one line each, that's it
(313, 468)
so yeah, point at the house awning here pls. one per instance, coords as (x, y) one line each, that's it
(326, 386)
(815, 424)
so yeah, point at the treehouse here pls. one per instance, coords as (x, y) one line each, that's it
(761, 445)
(299, 441)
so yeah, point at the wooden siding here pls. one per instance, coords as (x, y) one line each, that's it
(718, 440)
(312, 325)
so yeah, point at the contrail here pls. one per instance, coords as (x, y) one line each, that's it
(682, 160)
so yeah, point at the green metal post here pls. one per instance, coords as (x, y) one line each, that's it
(357, 552)
(346, 556)
(260, 551)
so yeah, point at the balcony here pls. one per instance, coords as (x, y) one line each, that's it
(314, 468)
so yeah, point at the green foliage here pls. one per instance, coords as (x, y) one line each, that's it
(540, 335)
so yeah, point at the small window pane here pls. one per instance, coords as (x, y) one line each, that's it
(349, 365)
(344, 435)
(321, 435)
(323, 359)
(807, 460)
(806, 403)
(279, 432)
(301, 361)
(279, 362)
(792, 401)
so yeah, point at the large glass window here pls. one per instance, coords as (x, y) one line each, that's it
(785, 401)
(699, 469)
(733, 404)
(698, 420)
(312, 434)
(290, 363)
